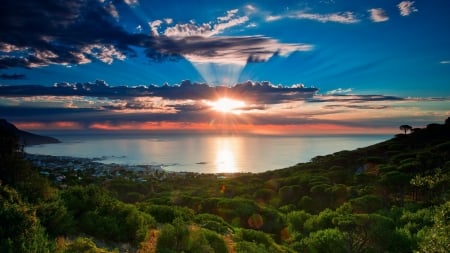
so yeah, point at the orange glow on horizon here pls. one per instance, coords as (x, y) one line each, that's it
(304, 129)
(211, 127)
(59, 125)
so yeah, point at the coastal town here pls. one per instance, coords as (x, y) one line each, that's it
(64, 170)
(67, 170)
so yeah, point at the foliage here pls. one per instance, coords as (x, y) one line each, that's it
(86, 245)
(388, 197)
(20, 230)
(100, 215)
(323, 241)
(436, 238)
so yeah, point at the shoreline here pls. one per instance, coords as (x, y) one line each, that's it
(62, 170)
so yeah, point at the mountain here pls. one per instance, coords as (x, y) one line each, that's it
(26, 138)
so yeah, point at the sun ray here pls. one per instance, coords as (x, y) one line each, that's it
(227, 105)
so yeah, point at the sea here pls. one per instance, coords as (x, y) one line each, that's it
(203, 153)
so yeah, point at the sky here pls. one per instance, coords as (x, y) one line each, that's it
(266, 67)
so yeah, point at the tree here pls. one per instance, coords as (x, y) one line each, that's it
(327, 240)
(406, 128)
(436, 239)
(20, 230)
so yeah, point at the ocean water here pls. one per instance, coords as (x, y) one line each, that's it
(204, 153)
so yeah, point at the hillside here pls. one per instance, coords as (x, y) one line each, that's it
(389, 197)
(26, 138)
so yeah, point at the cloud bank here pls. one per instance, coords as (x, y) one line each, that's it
(267, 108)
(35, 34)
(263, 92)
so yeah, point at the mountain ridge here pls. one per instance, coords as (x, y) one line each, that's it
(26, 138)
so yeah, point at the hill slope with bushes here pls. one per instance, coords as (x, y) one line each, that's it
(388, 197)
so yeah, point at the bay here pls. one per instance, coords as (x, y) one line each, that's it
(204, 153)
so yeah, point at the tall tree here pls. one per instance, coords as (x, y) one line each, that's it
(406, 128)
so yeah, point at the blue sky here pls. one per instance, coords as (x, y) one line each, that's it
(344, 48)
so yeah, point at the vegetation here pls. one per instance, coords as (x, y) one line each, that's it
(388, 197)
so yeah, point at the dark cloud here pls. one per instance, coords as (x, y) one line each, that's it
(354, 98)
(252, 92)
(12, 76)
(363, 107)
(36, 33)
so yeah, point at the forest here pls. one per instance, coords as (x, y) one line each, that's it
(389, 197)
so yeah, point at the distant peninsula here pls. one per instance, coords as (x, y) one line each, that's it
(26, 138)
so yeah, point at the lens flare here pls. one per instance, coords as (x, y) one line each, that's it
(227, 105)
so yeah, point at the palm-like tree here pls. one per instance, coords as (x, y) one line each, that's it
(406, 128)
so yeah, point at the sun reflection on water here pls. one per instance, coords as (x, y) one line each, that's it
(225, 158)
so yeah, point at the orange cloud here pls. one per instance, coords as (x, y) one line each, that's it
(59, 125)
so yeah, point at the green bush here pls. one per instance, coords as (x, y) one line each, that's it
(323, 241)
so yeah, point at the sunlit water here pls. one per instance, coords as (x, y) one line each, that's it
(205, 153)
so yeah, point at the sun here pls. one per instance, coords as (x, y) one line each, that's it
(227, 105)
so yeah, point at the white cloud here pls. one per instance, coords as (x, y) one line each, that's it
(105, 53)
(339, 91)
(250, 8)
(8, 48)
(168, 21)
(206, 29)
(273, 18)
(230, 14)
(188, 30)
(132, 2)
(200, 43)
(445, 62)
(378, 15)
(406, 8)
(111, 8)
(341, 17)
(235, 50)
(154, 25)
(220, 27)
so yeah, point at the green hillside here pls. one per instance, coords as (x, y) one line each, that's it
(388, 197)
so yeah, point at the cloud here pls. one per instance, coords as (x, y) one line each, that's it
(111, 8)
(105, 53)
(338, 17)
(58, 32)
(260, 92)
(186, 106)
(132, 2)
(230, 50)
(79, 32)
(189, 29)
(378, 15)
(340, 91)
(206, 29)
(354, 98)
(444, 62)
(230, 15)
(271, 18)
(154, 25)
(12, 76)
(406, 8)
(89, 103)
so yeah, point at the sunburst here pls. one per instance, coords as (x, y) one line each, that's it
(227, 105)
